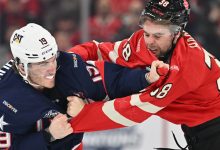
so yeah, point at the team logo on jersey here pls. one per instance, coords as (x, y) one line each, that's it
(2, 122)
(174, 67)
(51, 114)
(17, 38)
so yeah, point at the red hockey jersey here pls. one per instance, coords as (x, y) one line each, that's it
(189, 95)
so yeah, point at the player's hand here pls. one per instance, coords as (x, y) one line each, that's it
(75, 105)
(59, 127)
(158, 68)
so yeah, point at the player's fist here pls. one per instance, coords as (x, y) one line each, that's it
(75, 105)
(158, 68)
(59, 127)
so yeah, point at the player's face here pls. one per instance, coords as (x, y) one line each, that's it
(43, 73)
(158, 38)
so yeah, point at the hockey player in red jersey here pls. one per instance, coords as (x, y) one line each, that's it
(189, 95)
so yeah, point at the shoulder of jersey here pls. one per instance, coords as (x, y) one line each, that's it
(5, 69)
(69, 60)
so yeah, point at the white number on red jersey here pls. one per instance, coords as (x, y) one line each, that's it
(164, 3)
(126, 53)
(208, 57)
(161, 93)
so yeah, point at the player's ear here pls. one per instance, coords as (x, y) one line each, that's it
(176, 37)
(21, 68)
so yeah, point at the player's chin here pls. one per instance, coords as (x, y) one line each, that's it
(50, 84)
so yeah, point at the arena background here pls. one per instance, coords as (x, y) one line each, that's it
(76, 21)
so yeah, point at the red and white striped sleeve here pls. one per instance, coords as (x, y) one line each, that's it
(131, 52)
(118, 113)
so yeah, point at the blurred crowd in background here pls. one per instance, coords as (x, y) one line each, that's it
(107, 20)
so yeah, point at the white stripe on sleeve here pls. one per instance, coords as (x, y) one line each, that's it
(109, 110)
(145, 106)
(113, 55)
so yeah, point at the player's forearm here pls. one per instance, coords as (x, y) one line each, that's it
(94, 50)
(113, 114)
(120, 81)
(92, 118)
(127, 82)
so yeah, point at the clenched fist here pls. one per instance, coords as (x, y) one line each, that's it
(158, 68)
(75, 105)
(59, 127)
